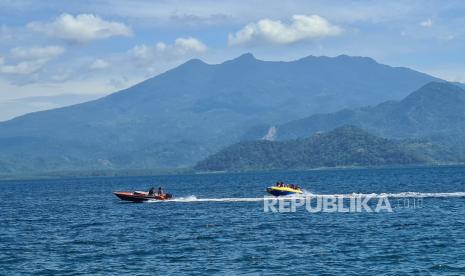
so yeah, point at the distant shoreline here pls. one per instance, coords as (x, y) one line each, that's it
(190, 171)
(338, 168)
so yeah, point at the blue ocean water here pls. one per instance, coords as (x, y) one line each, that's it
(77, 226)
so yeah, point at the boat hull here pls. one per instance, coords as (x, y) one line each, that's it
(282, 191)
(140, 197)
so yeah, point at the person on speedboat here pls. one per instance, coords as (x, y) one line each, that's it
(160, 191)
(152, 191)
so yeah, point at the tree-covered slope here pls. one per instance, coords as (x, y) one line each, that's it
(344, 146)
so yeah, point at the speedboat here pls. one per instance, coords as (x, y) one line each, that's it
(139, 196)
(283, 191)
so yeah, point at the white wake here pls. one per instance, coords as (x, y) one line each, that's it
(193, 198)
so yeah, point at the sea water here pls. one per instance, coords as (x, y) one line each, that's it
(216, 224)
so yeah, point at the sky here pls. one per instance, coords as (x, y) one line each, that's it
(54, 53)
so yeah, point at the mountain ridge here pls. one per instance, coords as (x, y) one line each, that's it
(435, 108)
(183, 115)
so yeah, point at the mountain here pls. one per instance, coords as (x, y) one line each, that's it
(435, 111)
(189, 112)
(344, 146)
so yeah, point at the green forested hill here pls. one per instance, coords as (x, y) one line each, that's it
(344, 146)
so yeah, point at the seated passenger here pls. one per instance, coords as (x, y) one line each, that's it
(151, 191)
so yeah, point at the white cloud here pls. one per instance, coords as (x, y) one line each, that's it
(48, 52)
(142, 51)
(427, 23)
(100, 64)
(231, 12)
(29, 60)
(81, 28)
(187, 45)
(181, 47)
(301, 27)
(149, 60)
(23, 67)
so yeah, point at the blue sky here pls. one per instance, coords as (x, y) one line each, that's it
(83, 49)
